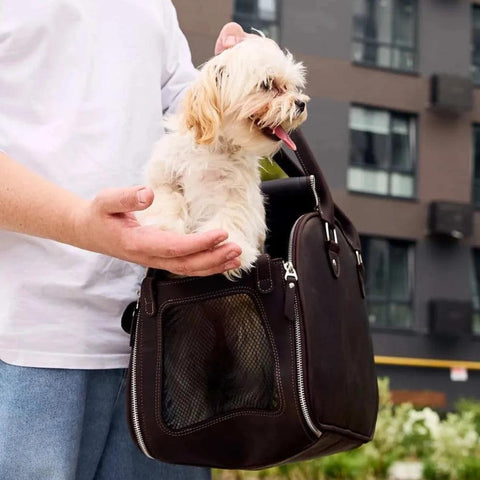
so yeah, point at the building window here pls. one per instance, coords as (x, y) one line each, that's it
(382, 152)
(476, 290)
(384, 33)
(389, 281)
(260, 14)
(476, 43)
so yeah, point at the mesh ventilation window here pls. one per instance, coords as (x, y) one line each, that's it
(217, 358)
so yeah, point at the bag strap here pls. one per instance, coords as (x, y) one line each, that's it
(306, 164)
(288, 165)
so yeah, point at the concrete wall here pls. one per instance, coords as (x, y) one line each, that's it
(315, 27)
(444, 37)
(328, 138)
(201, 23)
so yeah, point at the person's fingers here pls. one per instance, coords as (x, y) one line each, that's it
(157, 243)
(220, 269)
(231, 34)
(206, 262)
(122, 200)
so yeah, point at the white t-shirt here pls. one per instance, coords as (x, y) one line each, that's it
(83, 88)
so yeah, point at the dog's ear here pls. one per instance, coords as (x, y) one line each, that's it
(201, 109)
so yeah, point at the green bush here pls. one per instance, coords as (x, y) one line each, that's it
(430, 472)
(465, 405)
(345, 467)
(469, 469)
(269, 170)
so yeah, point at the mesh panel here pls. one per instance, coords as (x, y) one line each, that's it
(216, 358)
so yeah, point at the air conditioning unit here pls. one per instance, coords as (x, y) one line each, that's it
(451, 93)
(450, 318)
(450, 219)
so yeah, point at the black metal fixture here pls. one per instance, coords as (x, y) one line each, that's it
(450, 219)
(450, 318)
(451, 94)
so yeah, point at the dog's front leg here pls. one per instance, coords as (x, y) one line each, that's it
(168, 210)
(245, 227)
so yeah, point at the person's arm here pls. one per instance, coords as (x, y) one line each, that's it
(32, 205)
(178, 71)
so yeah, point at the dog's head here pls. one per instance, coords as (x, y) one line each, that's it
(248, 97)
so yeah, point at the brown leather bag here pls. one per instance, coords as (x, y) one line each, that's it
(274, 368)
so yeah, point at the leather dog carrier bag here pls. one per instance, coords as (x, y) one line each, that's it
(276, 367)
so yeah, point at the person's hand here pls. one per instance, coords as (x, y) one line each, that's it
(231, 34)
(107, 225)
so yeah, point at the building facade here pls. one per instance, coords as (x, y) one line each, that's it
(379, 73)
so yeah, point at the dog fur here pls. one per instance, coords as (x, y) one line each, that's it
(204, 170)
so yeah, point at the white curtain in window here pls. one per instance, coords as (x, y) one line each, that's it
(361, 180)
(383, 20)
(404, 23)
(402, 185)
(267, 9)
(400, 125)
(369, 120)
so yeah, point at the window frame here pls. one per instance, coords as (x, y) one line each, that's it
(475, 130)
(475, 7)
(413, 133)
(391, 45)
(475, 291)
(411, 246)
(256, 20)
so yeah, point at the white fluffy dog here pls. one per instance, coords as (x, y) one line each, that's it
(204, 170)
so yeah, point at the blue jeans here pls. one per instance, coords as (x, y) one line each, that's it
(60, 424)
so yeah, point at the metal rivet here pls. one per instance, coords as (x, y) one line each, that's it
(291, 285)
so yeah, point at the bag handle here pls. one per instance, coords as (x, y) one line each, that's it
(307, 165)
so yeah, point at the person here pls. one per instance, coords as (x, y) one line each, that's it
(83, 89)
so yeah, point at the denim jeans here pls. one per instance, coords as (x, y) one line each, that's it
(58, 424)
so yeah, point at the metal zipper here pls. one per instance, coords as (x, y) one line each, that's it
(134, 405)
(291, 277)
(312, 184)
(292, 231)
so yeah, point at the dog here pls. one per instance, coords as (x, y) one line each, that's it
(204, 171)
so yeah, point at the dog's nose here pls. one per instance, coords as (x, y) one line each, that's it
(300, 105)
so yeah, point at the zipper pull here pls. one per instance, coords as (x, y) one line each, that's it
(149, 296)
(360, 272)
(290, 271)
(134, 326)
(291, 278)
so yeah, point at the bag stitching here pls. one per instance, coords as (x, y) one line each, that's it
(189, 430)
(270, 280)
(196, 279)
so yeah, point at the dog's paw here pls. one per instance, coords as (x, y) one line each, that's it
(168, 224)
(247, 260)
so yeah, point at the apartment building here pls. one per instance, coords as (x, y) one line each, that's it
(394, 121)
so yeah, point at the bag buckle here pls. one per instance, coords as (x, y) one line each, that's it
(359, 257)
(327, 232)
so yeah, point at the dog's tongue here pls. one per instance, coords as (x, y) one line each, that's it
(285, 137)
